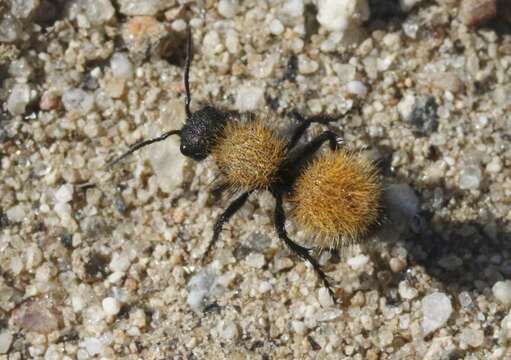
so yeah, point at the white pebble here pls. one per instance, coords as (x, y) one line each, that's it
(436, 310)
(339, 15)
(502, 292)
(406, 291)
(64, 194)
(92, 345)
(5, 341)
(228, 8)
(120, 262)
(472, 337)
(470, 177)
(111, 306)
(256, 260)
(121, 66)
(298, 327)
(18, 99)
(276, 27)
(356, 87)
(506, 326)
(324, 298)
(16, 213)
(249, 98)
(78, 100)
(227, 329)
(407, 5)
(293, 8)
(358, 262)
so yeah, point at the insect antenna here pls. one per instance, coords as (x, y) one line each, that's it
(143, 143)
(188, 62)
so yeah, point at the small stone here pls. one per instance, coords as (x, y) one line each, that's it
(502, 292)
(293, 8)
(146, 36)
(120, 262)
(121, 66)
(506, 326)
(18, 99)
(358, 262)
(227, 329)
(78, 100)
(406, 291)
(477, 12)
(111, 306)
(37, 316)
(146, 7)
(436, 310)
(465, 299)
(249, 98)
(470, 178)
(339, 15)
(357, 88)
(298, 327)
(276, 27)
(20, 69)
(307, 66)
(282, 263)
(346, 72)
(325, 300)
(10, 29)
(494, 166)
(256, 260)
(92, 345)
(98, 12)
(50, 100)
(397, 264)
(200, 287)
(228, 8)
(64, 194)
(16, 213)
(424, 117)
(5, 341)
(406, 106)
(407, 5)
(472, 337)
(22, 9)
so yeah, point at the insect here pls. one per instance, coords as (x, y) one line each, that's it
(335, 196)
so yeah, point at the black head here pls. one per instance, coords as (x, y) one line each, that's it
(200, 131)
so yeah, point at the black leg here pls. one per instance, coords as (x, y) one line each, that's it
(313, 146)
(299, 250)
(143, 143)
(187, 70)
(223, 218)
(304, 125)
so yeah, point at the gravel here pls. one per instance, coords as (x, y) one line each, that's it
(106, 262)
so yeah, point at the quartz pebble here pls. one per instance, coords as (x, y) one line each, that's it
(121, 66)
(506, 326)
(10, 29)
(227, 8)
(227, 329)
(146, 7)
(436, 310)
(37, 316)
(18, 99)
(249, 98)
(255, 260)
(5, 341)
(339, 15)
(145, 35)
(406, 291)
(78, 100)
(470, 177)
(472, 337)
(64, 193)
(357, 88)
(502, 292)
(111, 306)
(358, 262)
(407, 5)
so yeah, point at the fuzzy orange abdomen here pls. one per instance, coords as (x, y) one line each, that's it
(337, 198)
(249, 154)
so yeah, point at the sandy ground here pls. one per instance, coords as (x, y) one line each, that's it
(101, 262)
